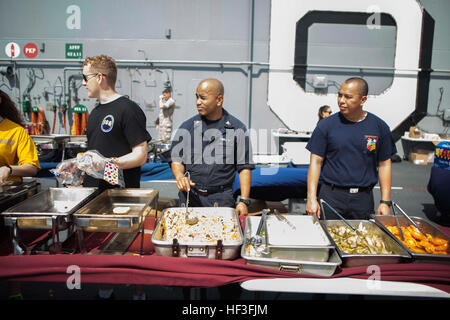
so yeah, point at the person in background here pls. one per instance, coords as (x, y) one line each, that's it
(117, 129)
(324, 112)
(18, 157)
(352, 150)
(167, 107)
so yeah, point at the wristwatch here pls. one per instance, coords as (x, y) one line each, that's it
(389, 203)
(246, 201)
(9, 167)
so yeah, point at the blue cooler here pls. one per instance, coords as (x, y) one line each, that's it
(442, 155)
(439, 184)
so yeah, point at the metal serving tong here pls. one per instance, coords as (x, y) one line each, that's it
(257, 239)
(395, 205)
(322, 202)
(282, 218)
(190, 218)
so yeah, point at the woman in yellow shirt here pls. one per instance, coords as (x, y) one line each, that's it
(18, 155)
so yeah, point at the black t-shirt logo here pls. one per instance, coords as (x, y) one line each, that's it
(107, 123)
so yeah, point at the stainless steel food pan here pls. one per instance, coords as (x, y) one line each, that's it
(318, 268)
(100, 213)
(14, 192)
(53, 141)
(425, 226)
(352, 260)
(220, 249)
(317, 257)
(40, 210)
(307, 242)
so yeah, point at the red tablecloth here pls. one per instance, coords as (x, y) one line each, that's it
(150, 269)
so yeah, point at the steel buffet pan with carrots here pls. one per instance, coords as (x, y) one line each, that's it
(425, 244)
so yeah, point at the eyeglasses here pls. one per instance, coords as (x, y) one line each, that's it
(85, 76)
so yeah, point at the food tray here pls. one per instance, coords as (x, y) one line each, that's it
(99, 214)
(354, 260)
(51, 142)
(425, 226)
(298, 259)
(38, 211)
(308, 242)
(13, 192)
(220, 249)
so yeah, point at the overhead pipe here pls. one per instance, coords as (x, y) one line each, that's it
(250, 66)
(194, 62)
(145, 62)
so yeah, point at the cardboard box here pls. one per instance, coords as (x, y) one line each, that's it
(415, 132)
(422, 157)
(418, 158)
(429, 153)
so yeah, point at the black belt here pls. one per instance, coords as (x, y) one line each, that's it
(204, 191)
(349, 189)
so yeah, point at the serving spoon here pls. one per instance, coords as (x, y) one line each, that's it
(190, 218)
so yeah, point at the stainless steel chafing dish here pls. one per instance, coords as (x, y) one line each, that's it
(73, 146)
(307, 241)
(41, 210)
(53, 141)
(307, 250)
(131, 207)
(399, 254)
(425, 226)
(214, 249)
(13, 192)
(49, 209)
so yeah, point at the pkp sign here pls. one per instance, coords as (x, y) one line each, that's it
(30, 50)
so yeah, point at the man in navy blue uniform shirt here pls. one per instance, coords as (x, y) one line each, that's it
(212, 146)
(352, 150)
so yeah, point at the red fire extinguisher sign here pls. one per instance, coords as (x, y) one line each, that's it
(12, 50)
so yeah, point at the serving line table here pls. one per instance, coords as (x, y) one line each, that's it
(425, 280)
(344, 285)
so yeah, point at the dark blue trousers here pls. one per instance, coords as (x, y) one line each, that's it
(357, 206)
(223, 199)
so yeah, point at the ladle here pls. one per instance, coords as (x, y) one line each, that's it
(190, 218)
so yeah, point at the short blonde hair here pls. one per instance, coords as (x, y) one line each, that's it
(105, 65)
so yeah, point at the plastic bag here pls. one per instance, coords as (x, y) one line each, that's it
(70, 172)
(67, 173)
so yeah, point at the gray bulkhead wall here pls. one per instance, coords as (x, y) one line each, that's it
(181, 31)
(176, 30)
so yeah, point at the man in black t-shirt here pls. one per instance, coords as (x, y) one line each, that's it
(117, 126)
(117, 129)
